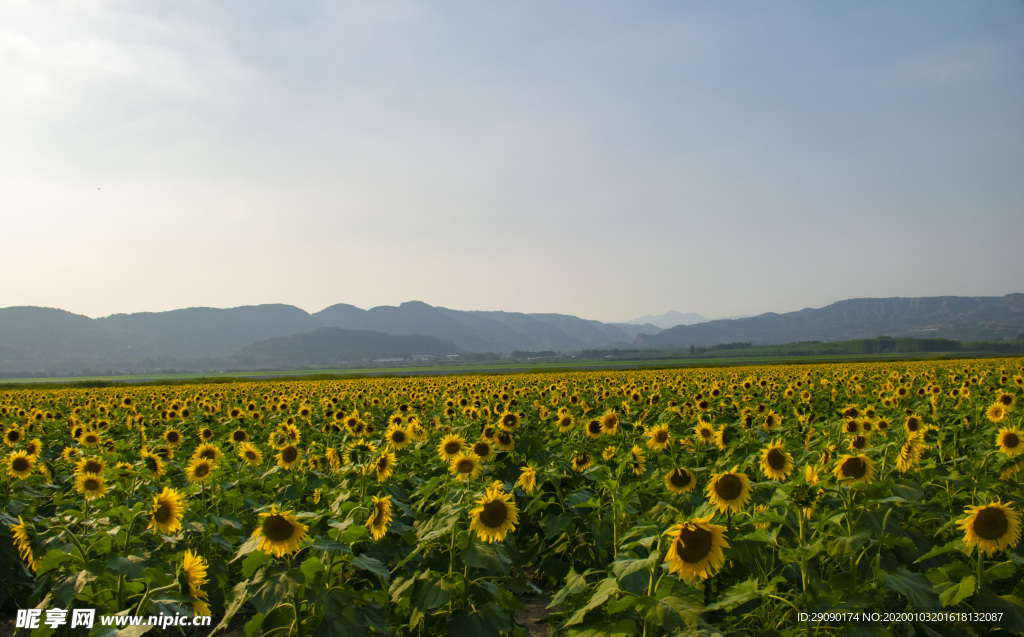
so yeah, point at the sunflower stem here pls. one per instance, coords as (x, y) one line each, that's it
(980, 576)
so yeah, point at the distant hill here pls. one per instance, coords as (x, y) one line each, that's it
(334, 346)
(953, 317)
(668, 319)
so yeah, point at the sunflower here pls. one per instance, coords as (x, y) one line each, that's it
(24, 544)
(1009, 441)
(910, 452)
(565, 423)
(398, 436)
(508, 421)
(730, 491)
(638, 461)
(609, 452)
(1008, 401)
(658, 438)
(705, 432)
(465, 465)
(206, 434)
(696, 550)
(90, 485)
(850, 469)
(173, 437)
(680, 481)
(776, 462)
(771, 420)
(238, 436)
(384, 465)
(153, 462)
(199, 470)
(20, 464)
(208, 451)
(359, 453)
(503, 440)
(166, 512)
(90, 439)
(482, 450)
(609, 422)
(13, 436)
(194, 568)
(582, 461)
(527, 480)
(913, 424)
(495, 515)
(594, 429)
(249, 454)
(34, 448)
(280, 532)
(450, 447)
(380, 517)
(993, 527)
(289, 457)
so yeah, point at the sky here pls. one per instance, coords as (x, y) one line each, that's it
(602, 159)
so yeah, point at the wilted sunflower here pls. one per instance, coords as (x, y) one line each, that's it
(398, 436)
(199, 470)
(658, 437)
(450, 447)
(289, 457)
(465, 466)
(527, 480)
(776, 462)
(1009, 441)
(680, 481)
(696, 550)
(730, 491)
(495, 514)
(380, 517)
(249, 454)
(195, 567)
(993, 527)
(850, 469)
(167, 510)
(20, 464)
(280, 532)
(24, 543)
(90, 485)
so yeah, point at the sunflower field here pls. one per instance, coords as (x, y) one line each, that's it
(873, 498)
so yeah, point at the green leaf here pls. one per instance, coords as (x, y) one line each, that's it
(621, 628)
(239, 595)
(253, 625)
(372, 564)
(248, 547)
(574, 584)
(622, 568)
(132, 566)
(340, 617)
(275, 591)
(735, 595)
(485, 557)
(914, 586)
(431, 591)
(957, 593)
(671, 612)
(311, 568)
(608, 587)
(253, 561)
(555, 524)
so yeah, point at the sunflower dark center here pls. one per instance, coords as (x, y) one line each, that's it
(452, 446)
(504, 438)
(594, 427)
(277, 528)
(91, 484)
(201, 470)
(680, 479)
(728, 487)
(172, 437)
(163, 513)
(991, 524)
(854, 468)
(776, 460)
(238, 436)
(91, 466)
(13, 436)
(379, 515)
(482, 449)
(398, 436)
(661, 436)
(705, 432)
(250, 454)
(1006, 400)
(465, 465)
(1011, 440)
(20, 463)
(693, 545)
(91, 439)
(509, 420)
(912, 425)
(289, 454)
(859, 442)
(494, 514)
(208, 454)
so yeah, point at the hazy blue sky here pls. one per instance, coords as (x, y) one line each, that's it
(602, 159)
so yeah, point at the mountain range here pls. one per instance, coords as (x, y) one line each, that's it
(35, 340)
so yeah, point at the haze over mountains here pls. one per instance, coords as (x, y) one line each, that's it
(45, 341)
